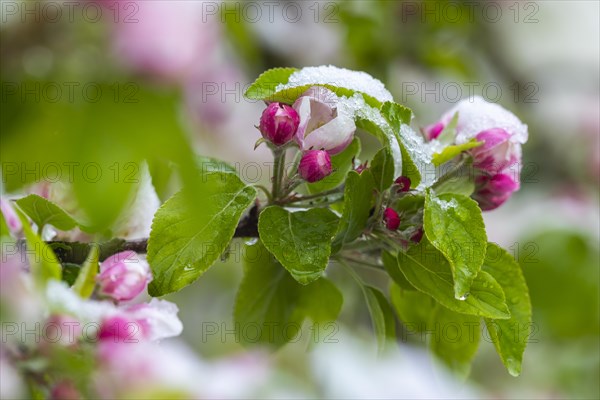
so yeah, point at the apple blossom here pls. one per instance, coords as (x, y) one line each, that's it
(315, 165)
(322, 127)
(279, 123)
(493, 190)
(496, 152)
(123, 276)
(476, 115)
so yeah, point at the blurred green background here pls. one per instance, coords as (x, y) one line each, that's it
(118, 82)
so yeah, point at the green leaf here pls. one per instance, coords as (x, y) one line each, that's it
(301, 241)
(382, 168)
(70, 272)
(461, 184)
(454, 225)
(429, 272)
(264, 86)
(450, 152)
(390, 263)
(409, 168)
(341, 163)
(186, 239)
(42, 261)
(358, 201)
(397, 115)
(210, 164)
(270, 305)
(448, 134)
(509, 336)
(43, 212)
(382, 316)
(86, 279)
(456, 339)
(99, 157)
(414, 308)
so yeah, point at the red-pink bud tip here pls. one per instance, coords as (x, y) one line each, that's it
(391, 219)
(417, 236)
(361, 167)
(278, 123)
(403, 183)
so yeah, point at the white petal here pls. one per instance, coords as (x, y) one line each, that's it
(335, 133)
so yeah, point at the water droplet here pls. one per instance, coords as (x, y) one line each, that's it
(251, 242)
(513, 366)
(188, 267)
(463, 297)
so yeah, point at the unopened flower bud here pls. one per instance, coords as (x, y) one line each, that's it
(492, 191)
(417, 236)
(315, 165)
(496, 152)
(123, 276)
(391, 219)
(403, 184)
(279, 123)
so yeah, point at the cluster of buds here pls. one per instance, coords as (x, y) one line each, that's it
(314, 124)
(413, 229)
(501, 134)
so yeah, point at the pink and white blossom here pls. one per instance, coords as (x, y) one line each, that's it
(322, 127)
(497, 152)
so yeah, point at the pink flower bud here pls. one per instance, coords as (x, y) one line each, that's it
(403, 184)
(279, 123)
(391, 219)
(10, 216)
(314, 165)
(492, 191)
(496, 152)
(123, 276)
(433, 131)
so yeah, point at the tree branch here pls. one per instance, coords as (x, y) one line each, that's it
(77, 252)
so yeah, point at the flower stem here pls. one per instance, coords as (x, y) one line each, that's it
(278, 172)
